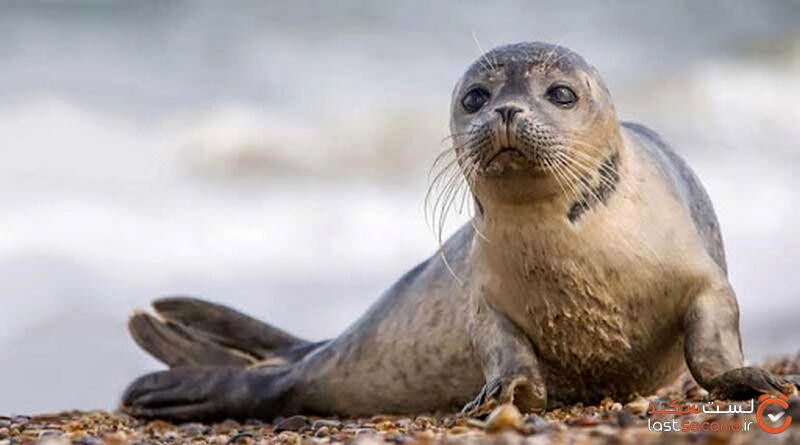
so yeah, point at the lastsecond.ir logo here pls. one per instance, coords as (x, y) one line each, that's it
(774, 417)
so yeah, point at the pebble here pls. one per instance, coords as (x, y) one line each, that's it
(4, 423)
(584, 421)
(504, 417)
(459, 430)
(626, 419)
(425, 436)
(193, 429)
(49, 433)
(366, 439)
(535, 424)
(241, 438)
(20, 420)
(294, 423)
(322, 431)
(219, 439)
(639, 405)
(385, 425)
(404, 422)
(87, 440)
(329, 423)
(397, 438)
(289, 437)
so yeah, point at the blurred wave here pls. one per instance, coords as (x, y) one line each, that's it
(274, 157)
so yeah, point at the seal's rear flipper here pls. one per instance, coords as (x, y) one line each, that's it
(209, 394)
(192, 332)
(226, 326)
(176, 345)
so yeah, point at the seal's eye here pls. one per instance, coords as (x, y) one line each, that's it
(475, 99)
(562, 96)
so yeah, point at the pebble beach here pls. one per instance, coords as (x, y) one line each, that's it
(609, 421)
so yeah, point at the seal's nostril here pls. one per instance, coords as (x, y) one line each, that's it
(507, 112)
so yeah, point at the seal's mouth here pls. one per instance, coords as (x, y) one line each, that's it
(508, 151)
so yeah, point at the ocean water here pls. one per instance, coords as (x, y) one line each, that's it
(258, 155)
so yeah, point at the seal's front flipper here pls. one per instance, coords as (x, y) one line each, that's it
(509, 365)
(518, 390)
(713, 349)
(748, 382)
(208, 394)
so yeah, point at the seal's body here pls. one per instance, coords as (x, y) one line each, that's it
(593, 268)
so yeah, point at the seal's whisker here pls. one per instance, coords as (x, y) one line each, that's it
(443, 155)
(445, 210)
(483, 53)
(472, 130)
(607, 173)
(601, 168)
(556, 174)
(574, 183)
(438, 186)
(440, 207)
(586, 187)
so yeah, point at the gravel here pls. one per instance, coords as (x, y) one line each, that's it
(610, 421)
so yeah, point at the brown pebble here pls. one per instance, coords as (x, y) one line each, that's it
(294, 423)
(584, 421)
(425, 436)
(219, 439)
(504, 417)
(385, 425)
(158, 426)
(289, 437)
(459, 430)
(638, 405)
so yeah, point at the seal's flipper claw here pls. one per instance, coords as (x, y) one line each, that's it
(517, 390)
(226, 326)
(176, 345)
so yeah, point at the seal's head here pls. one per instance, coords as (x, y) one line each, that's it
(529, 119)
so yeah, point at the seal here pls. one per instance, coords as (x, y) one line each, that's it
(593, 267)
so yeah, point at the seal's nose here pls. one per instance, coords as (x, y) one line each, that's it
(507, 112)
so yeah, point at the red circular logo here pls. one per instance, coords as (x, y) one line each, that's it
(767, 400)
